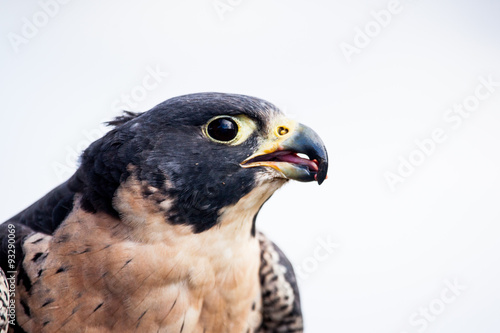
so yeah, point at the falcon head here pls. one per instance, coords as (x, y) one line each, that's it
(195, 155)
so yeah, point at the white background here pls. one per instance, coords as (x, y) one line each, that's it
(395, 248)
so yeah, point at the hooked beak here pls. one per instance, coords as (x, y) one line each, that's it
(280, 152)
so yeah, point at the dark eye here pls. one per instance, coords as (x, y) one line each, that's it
(222, 129)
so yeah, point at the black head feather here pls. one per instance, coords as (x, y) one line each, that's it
(125, 117)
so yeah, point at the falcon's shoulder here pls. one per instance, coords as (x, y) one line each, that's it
(44, 216)
(280, 295)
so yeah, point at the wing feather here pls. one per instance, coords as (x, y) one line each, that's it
(280, 294)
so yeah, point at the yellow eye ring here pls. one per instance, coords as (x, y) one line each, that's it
(229, 130)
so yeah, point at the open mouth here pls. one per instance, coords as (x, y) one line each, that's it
(299, 155)
(285, 156)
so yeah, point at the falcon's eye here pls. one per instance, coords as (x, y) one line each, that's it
(222, 129)
(229, 130)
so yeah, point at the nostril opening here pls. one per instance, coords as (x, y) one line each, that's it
(282, 130)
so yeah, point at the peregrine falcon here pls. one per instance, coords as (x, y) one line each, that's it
(155, 231)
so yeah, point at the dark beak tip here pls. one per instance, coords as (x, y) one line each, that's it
(322, 172)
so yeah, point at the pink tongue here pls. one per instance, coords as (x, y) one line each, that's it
(291, 158)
